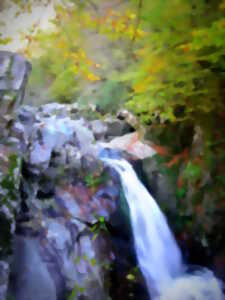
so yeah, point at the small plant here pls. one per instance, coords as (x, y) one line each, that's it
(9, 182)
(94, 181)
(98, 227)
(77, 290)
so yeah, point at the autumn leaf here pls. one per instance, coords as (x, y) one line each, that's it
(93, 77)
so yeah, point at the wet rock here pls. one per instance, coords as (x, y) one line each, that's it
(131, 144)
(159, 183)
(30, 276)
(5, 230)
(4, 275)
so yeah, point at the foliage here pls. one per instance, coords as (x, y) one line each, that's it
(63, 63)
(94, 181)
(98, 227)
(177, 80)
(58, 56)
(10, 181)
(4, 41)
(9, 187)
(77, 291)
(180, 61)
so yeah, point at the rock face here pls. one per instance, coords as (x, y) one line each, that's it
(131, 143)
(65, 191)
(70, 237)
(4, 274)
(14, 71)
(64, 224)
(159, 184)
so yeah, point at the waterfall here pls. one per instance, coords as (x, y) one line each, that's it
(158, 254)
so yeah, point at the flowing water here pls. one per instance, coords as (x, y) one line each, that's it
(157, 252)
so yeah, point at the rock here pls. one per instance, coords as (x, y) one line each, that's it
(99, 129)
(14, 71)
(4, 275)
(116, 127)
(54, 133)
(27, 114)
(84, 136)
(159, 184)
(131, 144)
(31, 277)
(53, 109)
(127, 116)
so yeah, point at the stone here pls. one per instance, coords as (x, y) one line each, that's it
(116, 127)
(4, 275)
(32, 279)
(99, 129)
(51, 109)
(127, 116)
(159, 184)
(84, 136)
(130, 143)
(14, 71)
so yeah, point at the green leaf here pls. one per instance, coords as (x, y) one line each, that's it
(192, 172)
(130, 277)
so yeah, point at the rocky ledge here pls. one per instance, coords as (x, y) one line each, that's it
(64, 226)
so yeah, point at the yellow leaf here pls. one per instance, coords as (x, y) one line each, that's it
(157, 65)
(75, 56)
(93, 77)
(88, 61)
(132, 16)
(131, 32)
(66, 54)
(74, 69)
(140, 33)
(82, 54)
(61, 45)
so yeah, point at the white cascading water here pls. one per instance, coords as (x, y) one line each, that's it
(158, 254)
